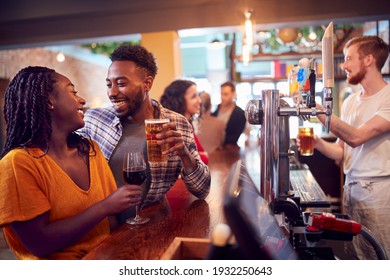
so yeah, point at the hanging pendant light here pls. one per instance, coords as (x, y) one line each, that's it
(248, 38)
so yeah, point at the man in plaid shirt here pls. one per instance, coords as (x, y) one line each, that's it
(121, 127)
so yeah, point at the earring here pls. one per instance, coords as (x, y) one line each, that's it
(51, 107)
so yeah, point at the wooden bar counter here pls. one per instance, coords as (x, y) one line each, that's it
(180, 214)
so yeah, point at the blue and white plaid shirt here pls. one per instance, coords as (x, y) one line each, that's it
(104, 127)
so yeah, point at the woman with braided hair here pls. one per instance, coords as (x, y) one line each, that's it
(58, 195)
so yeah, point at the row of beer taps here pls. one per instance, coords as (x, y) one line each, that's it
(272, 114)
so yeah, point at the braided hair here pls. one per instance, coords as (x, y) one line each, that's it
(26, 112)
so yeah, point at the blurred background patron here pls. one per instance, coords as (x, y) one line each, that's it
(231, 114)
(209, 130)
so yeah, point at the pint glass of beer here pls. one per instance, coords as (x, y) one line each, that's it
(305, 135)
(153, 127)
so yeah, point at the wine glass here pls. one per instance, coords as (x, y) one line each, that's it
(134, 172)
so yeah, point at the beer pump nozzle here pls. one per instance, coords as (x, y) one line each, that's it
(328, 107)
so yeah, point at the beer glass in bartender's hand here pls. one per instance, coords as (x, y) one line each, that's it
(306, 135)
(152, 128)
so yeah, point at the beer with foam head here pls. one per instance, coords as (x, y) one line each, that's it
(152, 128)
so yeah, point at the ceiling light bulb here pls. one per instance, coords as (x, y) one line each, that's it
(312, 36)
(60, 57)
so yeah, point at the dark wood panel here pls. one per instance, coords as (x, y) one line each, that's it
(26, 22)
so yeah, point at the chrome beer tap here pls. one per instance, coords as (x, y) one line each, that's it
(328, 105)
(272, 115)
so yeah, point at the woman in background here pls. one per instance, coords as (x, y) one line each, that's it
(182, 97)
(57, 190)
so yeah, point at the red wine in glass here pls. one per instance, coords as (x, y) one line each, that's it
(135, 175)
(134, 172)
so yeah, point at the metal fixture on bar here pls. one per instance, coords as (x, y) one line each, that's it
(267, 112)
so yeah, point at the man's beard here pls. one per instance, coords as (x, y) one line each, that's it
(356, 79)
(135, 105)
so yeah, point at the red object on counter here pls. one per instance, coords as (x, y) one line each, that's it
(329, 221)
(202, 153)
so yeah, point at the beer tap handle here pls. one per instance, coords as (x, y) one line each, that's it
(328, 72)
(311, 99)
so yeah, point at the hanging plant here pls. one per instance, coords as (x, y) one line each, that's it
(273, 42)
(106, 48)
